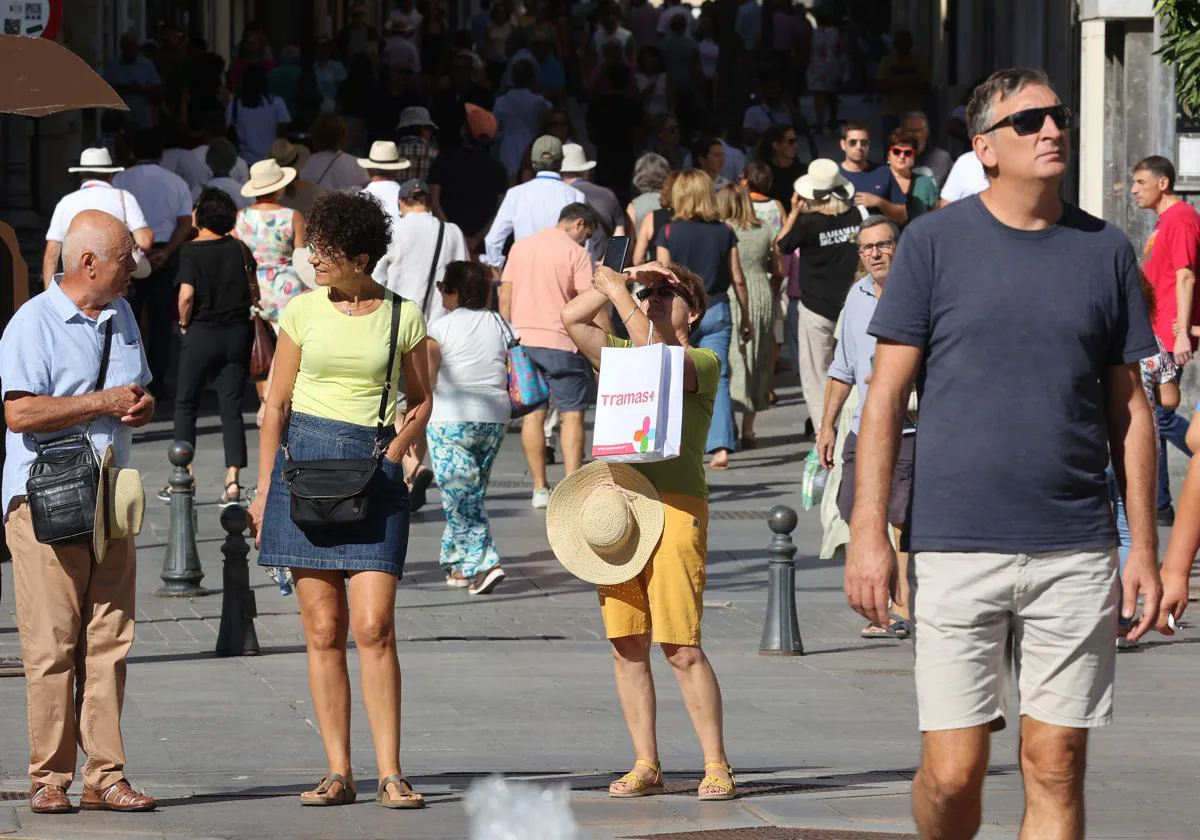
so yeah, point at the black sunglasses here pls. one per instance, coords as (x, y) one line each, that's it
(1031, 120)
(665, 289)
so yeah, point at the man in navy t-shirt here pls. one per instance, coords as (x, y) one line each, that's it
(874, 186)
(1021, 319)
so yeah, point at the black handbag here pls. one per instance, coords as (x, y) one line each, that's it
(336, 492)
(64, 479)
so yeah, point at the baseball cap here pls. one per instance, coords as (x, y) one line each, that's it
(413, 186)
(547, 149)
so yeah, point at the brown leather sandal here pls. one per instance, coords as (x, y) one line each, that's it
(48, 799)
(119, 796)
(322, 795)
(409, 798)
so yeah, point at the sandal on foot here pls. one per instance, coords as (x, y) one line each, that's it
(409, 798)
(49, 799)
(322, 794)
(638, 785)
(726, 789)
(898, 629)
(229, 499)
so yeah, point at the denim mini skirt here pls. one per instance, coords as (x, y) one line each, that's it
(377, 545)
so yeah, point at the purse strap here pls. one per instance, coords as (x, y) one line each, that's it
(510, 339)
(437, 252)
(332, 161)
(103, 374)
(393, 337)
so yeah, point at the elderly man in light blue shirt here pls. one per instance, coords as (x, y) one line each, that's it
(852, 361)
(533, 206)
(75, 612)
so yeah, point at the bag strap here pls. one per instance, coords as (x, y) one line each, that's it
(397, 302)
(248, 264)
(332, 161)
(510, 339)
(437, 252)
(103, 374)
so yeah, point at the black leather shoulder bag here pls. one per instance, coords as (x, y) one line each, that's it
(64, 478)
(336, 492)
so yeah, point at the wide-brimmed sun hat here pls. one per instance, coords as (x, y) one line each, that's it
(120, 504)
(384, 155)
(96, 160)
(823, 179)
(575, 159)
(266, 177)
(287, 153)
(604, 521)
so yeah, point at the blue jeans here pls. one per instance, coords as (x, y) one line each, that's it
(715, 333)
(1171, 428)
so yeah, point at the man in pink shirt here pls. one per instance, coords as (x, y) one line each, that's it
(543, 272)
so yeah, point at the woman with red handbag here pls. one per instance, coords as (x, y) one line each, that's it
(215, 331)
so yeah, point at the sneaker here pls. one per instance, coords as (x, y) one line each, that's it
(541, 498)
(165, 493)
(485, 582)
(1166, 516)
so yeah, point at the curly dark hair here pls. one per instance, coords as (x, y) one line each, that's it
(471, 280)
(347, 224)
(215, 211)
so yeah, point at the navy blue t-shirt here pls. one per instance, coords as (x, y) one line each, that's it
(877, 180)
(1019, 330)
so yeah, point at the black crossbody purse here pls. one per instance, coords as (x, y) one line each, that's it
(64, 479)
(336, 492)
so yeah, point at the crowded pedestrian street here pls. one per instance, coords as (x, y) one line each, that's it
(517, 684)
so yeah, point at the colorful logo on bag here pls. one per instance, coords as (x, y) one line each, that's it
(644, 437)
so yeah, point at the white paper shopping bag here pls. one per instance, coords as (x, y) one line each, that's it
(639, 404)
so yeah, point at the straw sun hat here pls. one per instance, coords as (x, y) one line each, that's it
(603, 522)
(267, 177)
(120, 504)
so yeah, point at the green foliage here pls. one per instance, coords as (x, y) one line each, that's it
(1181, 48)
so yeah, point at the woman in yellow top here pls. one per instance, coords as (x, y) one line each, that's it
(330, 369)
(663, 604)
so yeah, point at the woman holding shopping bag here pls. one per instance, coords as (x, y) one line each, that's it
(471, 410)
(663, 603)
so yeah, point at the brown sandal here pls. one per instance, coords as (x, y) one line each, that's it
(321, 796)
(49, 799)
(119, 796)
(409, 798)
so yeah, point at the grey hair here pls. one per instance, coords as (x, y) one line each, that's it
(913, 115)
(650, 171)
(876, 220)
(83, 240)
(999, 86)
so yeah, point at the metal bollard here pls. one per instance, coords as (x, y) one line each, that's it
(237, 636)
(781, 630)
(181, 574)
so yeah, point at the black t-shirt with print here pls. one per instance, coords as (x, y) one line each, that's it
(828, 258)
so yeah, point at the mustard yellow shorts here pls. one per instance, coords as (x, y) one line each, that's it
(667, 598)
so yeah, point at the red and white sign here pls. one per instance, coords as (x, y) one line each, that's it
(33, 18)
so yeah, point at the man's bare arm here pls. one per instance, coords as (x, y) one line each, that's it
(37, 413)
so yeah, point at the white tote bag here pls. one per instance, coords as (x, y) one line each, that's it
(639, 404)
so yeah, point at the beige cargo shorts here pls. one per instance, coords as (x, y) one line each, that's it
(1050, 618)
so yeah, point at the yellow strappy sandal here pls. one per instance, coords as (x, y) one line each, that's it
(728, 789)
(638, 786)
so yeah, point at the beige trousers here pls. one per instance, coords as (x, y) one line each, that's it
(817, 340)
(75, 617)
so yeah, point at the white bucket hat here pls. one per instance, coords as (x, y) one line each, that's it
(384, 155)
(96, 160)
(120, 504)
(604, 521)
(266, 177)
(824, 178)
(575, 159)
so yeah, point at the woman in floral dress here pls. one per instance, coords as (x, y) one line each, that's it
(271, 232)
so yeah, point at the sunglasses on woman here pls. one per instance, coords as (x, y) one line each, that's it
(902, 151)
(1031, 120)
(665, 290)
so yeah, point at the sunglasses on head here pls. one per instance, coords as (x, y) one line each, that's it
(857, 142)
(1031, 120)
(663, 290)
(902, 151)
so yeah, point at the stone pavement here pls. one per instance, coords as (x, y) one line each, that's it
(519, 683)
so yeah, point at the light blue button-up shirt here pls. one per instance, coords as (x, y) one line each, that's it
(855, 352)
(526, 209)
(50, 348)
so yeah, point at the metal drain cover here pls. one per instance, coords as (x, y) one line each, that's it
(13, 795)
(777, 834)
(11, 666)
